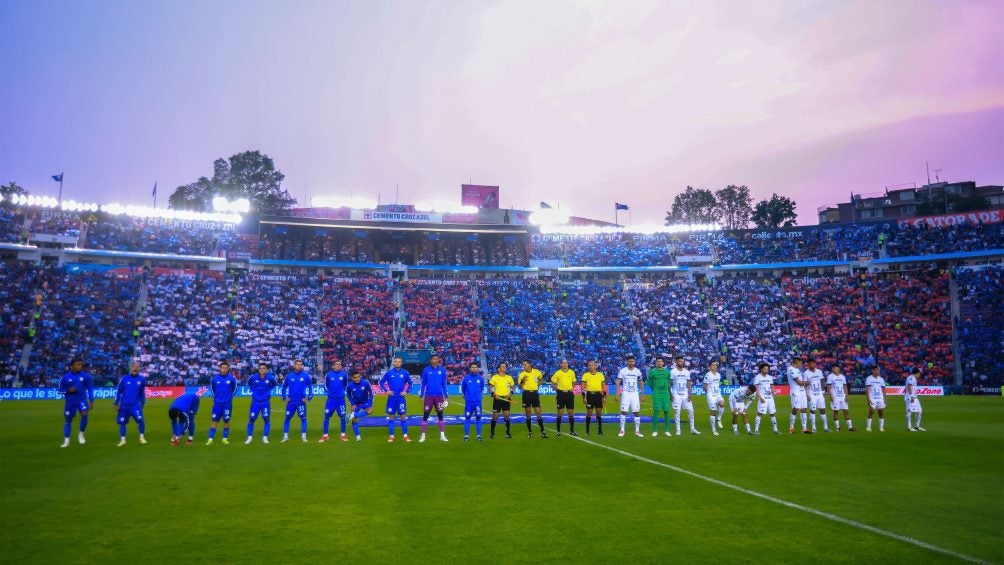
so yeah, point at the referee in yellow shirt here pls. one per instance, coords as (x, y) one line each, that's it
(564, 384)
(501, 385)
(529, 381)
(594, 392)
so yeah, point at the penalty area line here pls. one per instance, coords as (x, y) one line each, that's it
(813, 511)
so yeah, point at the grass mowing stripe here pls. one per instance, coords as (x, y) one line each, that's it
(820, 513)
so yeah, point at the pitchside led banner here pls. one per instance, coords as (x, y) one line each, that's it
(479, 195)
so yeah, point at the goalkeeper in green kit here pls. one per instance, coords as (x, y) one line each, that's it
(658, 380)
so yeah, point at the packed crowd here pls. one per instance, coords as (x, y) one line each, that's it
(753, 326)
(134, 234)
(55, 223)
(830, 321)
(18, 288)
(441, 318)
(12, 220)
(85, 314)
(980, 325)
(594, 322)
(357, 322)
(186, 326)
(925, 240)
(672, 319)
(518, 321)
(276, 320)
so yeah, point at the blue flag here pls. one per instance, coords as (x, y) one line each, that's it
(620, 206)
(58, 178)
(154, 189)
(544, 205)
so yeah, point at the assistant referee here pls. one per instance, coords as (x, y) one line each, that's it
(564, 384)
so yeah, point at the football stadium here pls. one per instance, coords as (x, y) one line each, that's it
(247, 374)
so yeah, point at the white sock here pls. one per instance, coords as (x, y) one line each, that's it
(881, 423)
(909, 420)
(773, 421)
(677, 422)
(919, 414)
(791, 421)
(836, 422)
(803, 417)
(735, 427)
(637, 424)
(747, 426)
(712, 422)
(757, 426)
(623, 419)
(690, 417)
(849, 424)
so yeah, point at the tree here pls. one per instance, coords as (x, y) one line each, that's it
(692, 206)
(10, 189)
(778, 212)
(250, 175)
(735, 206)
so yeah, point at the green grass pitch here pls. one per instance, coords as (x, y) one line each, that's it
(501, 501)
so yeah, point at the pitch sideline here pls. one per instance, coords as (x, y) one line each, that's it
(820, 513)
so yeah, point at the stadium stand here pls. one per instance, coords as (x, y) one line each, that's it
(357, 322)
(18, 288)
(276, 322)
(594, 322)
(981, 325)
(55, 223)
(672, 319)
(752, 324)
(133, 234)
(518, 322)
(925, 240)
(440, 316)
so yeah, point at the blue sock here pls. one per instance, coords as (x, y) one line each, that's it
(83, 422)
(212, 433)
(390, 425)
(355, 428)
(250, 427)
(66, 428)
(121, 430)
(404, 427)
(142, 426)
(268, 426)
(467, 426)
(477, 424)
(285, 426)
(342, 418)
(303, 425)
(226, 433)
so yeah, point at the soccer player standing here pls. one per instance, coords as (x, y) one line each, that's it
(77, 387)
(182, 413)
(913, 401)
(360, 399)
(875, 385)
(817, 401)
(739, 402)
(594, 393)
(130, 397)
(334, 383)
(765, 398)
(472, 388)
(659, 382)
(434, 396)
(836, 384)
(630, 388)
(796, 390)
(261, 385)
(396, 382)
(500, 386)
(712, 384)
(222, 386)
(529, 381)
(681, 394)
(563, 381)
(297, 391)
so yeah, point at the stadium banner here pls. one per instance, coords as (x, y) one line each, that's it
(164, 391)
(980, 389)
(948, 220)
(479, 196)
(918, 390)
(409, 217)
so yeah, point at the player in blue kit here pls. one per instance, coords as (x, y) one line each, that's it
(472, 388)
(297, 389)
(334, 383)
(360, 400)
(396, 382)
(182, 413)
(77, 387)
(130, 397)
(261, 385)
(222, 386)
(434, 395)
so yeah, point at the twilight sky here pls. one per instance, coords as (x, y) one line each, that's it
(581, 103)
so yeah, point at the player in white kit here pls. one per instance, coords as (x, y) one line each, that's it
(817, 400)
(796, 390)
(913, 402)
(765, 398)
(875, 389)
(836, 385)
(739, 401)
(713, 391)
(630, 389)
(681, 394)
